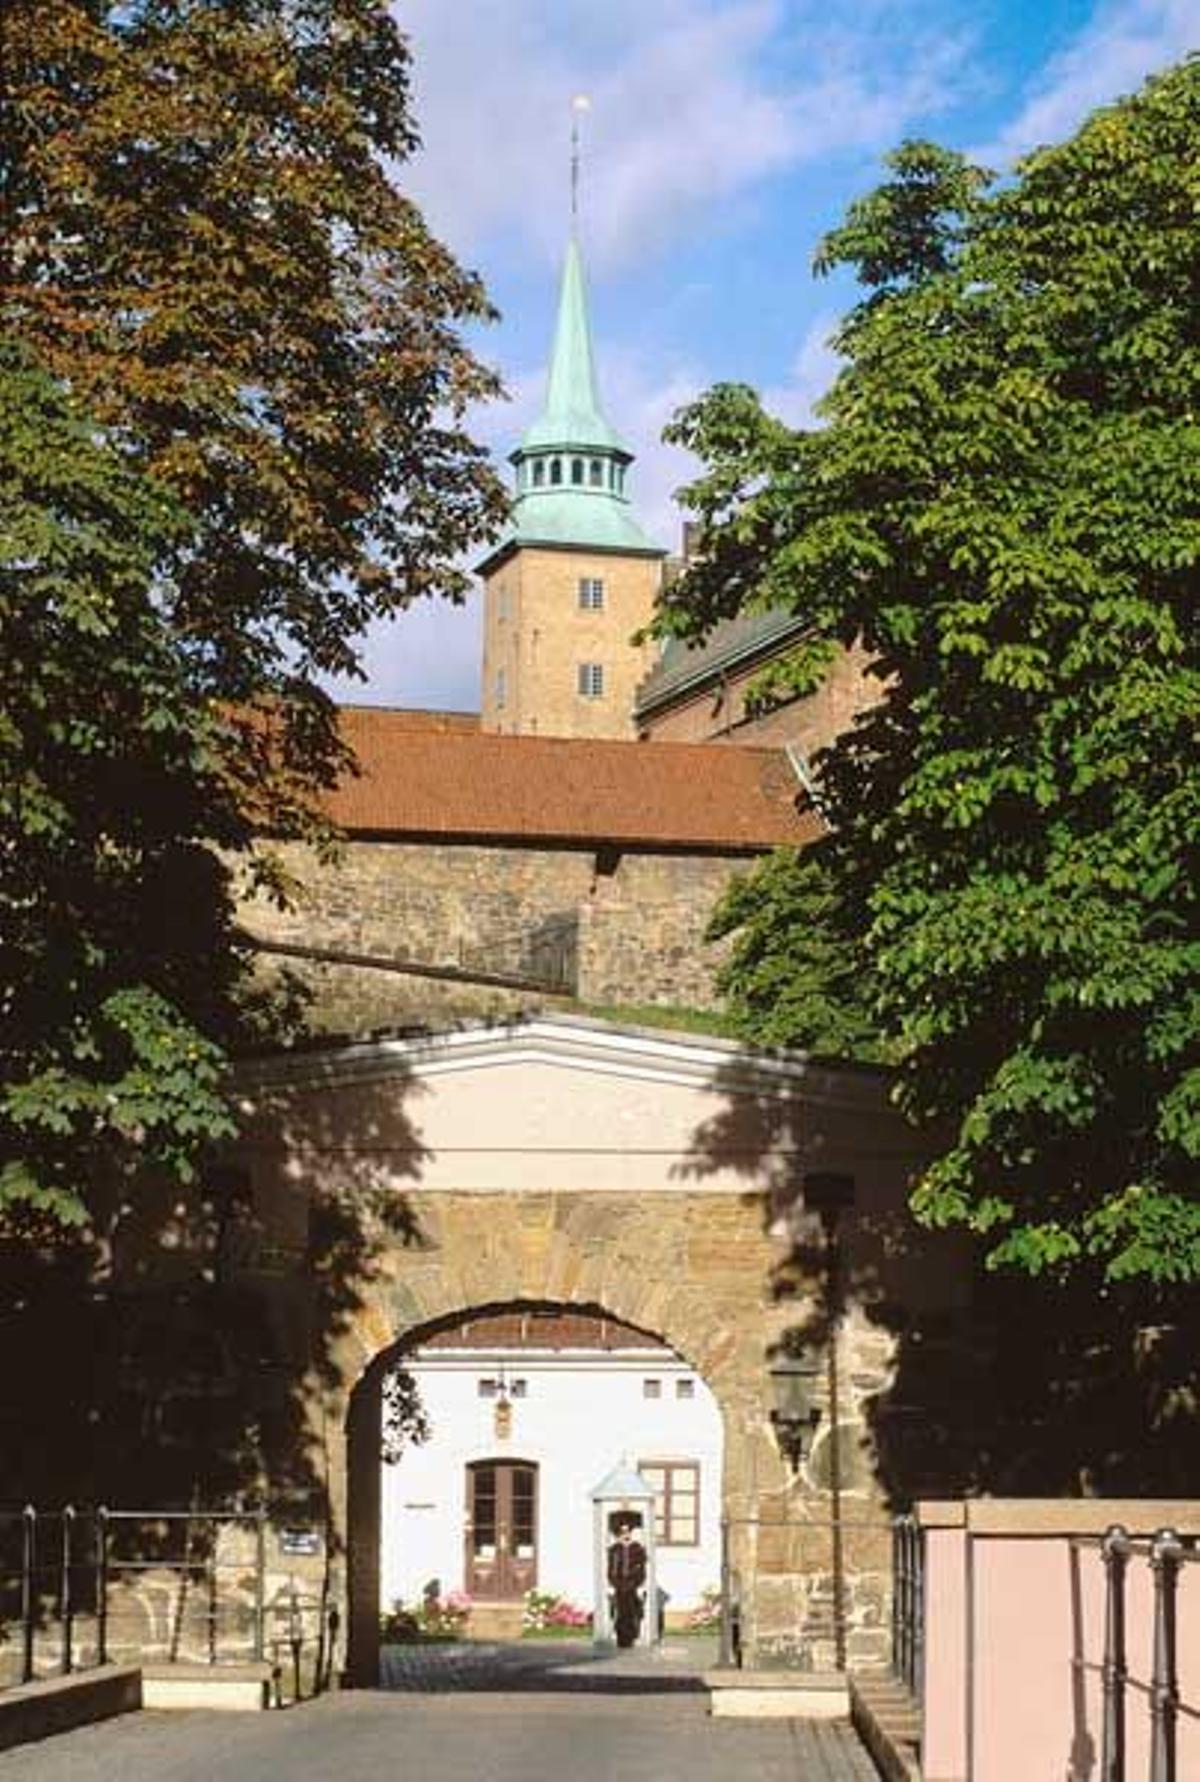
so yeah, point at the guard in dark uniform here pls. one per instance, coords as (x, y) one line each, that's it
(627, 1578)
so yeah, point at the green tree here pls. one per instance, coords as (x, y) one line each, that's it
(205, 240)
(234, 433)
(1004, 506)
(116, 961)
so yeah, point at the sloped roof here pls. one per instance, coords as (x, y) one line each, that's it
(730, 643)
(417, 780)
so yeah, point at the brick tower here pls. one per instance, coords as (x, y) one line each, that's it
(574, 575)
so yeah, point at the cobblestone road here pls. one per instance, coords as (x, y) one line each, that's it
(532, 1712)
(363, 1736)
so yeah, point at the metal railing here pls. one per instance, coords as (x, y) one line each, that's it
(48, 1580)
(1165, 1554)
(200, 1577)
(81, 1588)
(908, 1604)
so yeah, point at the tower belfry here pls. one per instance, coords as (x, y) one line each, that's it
(574, 575)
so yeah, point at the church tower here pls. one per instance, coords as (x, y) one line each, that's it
(574, 576)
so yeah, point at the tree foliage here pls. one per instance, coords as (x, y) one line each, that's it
(111, 777)
(206, 242)
(1004, 506)
(234, 395)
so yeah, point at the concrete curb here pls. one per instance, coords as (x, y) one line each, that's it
(56, 1704)
(229, 1688)
(777, 1695)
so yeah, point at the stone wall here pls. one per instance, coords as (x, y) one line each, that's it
(620, 929)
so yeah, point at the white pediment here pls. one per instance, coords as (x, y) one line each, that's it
(554, 1103)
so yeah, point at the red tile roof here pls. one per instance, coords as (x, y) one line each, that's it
(419, 779)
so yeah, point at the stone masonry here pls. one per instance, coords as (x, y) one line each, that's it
(600, 928)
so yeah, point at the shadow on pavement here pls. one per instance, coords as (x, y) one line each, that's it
(565, 1666)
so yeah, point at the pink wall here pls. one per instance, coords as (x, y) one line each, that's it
(1009, 1606)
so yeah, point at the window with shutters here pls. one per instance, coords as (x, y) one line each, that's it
(676, 1486)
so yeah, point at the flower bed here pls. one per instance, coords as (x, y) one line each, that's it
(550, 1616)
(434, 1618)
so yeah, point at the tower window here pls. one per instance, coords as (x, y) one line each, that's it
(591, 680)
(595, 473)
(577, 470)
(556, 470)
(539, 473)
(501, 688)
(591, 594)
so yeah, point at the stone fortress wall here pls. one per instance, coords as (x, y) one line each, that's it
(603, 927)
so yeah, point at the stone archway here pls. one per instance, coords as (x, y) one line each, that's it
(568, 1162)
(688, 1269)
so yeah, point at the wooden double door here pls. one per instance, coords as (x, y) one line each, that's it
(502, 1529)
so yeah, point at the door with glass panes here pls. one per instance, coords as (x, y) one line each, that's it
(501, 1556)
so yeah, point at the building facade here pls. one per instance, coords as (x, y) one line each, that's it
(527, 1413)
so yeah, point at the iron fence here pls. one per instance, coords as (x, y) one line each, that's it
(48, 1583)
(1165, 1554)
(81, 1588)
(908, 1604)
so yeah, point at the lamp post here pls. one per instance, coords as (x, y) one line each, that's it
(830, 1194)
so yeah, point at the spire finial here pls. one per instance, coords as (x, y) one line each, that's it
(579, 104)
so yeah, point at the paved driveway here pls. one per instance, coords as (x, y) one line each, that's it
(370, 1736)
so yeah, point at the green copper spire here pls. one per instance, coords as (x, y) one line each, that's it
(571, 465)
(572, 415)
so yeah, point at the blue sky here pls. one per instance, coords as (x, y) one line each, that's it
(725, 137)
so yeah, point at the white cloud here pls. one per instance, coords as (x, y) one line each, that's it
(810, 374)
(694, 103)
(1122, 45)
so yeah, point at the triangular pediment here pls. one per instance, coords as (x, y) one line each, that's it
(566, 1103)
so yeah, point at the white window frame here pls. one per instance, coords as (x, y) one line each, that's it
(590, 594)
(589, 680)
(665, 1512)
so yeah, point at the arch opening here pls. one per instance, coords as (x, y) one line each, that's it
(529, 1405)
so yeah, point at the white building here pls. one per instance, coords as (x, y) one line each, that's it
(528, 1411)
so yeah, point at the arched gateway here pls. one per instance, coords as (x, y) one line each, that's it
(657, 1178)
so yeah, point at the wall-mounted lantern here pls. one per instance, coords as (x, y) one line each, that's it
(795, 1413)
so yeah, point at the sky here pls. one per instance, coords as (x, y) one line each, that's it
(724, 138)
